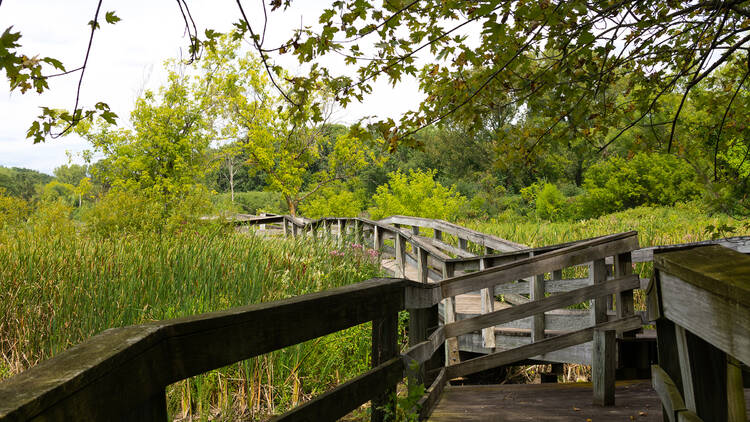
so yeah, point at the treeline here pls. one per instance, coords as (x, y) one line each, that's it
(215, 138)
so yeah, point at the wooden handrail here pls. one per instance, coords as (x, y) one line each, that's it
(126, 369)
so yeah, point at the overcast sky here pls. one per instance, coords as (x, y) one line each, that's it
(127, 57)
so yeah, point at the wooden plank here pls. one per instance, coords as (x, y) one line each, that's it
(547, 345)
(604, 362)
(401, 254)
(683, 356)
(336, 403)
(423, 351)
(104, 375)
(422, 268)
(719, 320)
(736, 407)
(449, 316)
(431, 398)
(670, 396)
(715, 269)
(739, 243)
(625, 303)
(384, 348)
(550, 261)
(448, 248)
(542, 305)
(536, 292)
(456, 230)
(488, 306)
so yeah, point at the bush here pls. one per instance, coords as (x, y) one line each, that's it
(551, 204)
(646, 179)
(335, 201)
(119, 212)
(13, 210)
(417, 194)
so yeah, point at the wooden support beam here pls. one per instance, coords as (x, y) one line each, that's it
(623, 266)
(422, 267)
(401, 254)
(536, 292)
(488, 306)
(603, 365)
(384, 348)
(449, 317)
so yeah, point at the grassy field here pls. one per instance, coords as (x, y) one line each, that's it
(59, 289)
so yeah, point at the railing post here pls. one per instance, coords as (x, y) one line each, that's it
(488, 305)
(422, 267)
(342, 231)
(327, 229)
(603, 359)
(449, 306)
(401, 253)
(422, 322)
(286, 227)
(294, 228)
(438, 235)
(463, 243)
(358, 232)
(625, 307)
(603, 367)
(384, 347)
(536, 292)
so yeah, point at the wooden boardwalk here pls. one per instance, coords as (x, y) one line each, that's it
(636, 401)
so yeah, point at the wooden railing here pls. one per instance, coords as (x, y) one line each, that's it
(122, 373)
(700, 299)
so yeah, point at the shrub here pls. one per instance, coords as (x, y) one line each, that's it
(646, 179)
(335, 201)
(13, 210)
(551, 204)
(119, 212)
(417, 194)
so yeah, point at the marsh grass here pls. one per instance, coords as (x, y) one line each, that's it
(60, 288)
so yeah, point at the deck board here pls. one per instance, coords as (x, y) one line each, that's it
(636, 401)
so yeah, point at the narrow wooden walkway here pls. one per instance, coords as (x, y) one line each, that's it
(636, 401)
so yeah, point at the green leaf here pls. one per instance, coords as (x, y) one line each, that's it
(111, 18)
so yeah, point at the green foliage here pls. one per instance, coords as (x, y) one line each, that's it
(164, 156)
(71, 174)
(551, 204)
(59, 191)
(123, 212)
(417, 194)
(644, 179)
(13, 210)
(61, 288)
(334, 201)
(22, 182)
(256, 202)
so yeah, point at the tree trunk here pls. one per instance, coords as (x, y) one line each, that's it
(291, 205)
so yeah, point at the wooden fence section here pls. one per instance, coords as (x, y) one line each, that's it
(700, 299)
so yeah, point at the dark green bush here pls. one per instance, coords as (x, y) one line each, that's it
(645, 179)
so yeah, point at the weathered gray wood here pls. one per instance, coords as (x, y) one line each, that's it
(422, 268)
(547, 345)
(384, 348)
(449, 316)
(463, 243)
(573, 255)
(336, 403)
(423, 350)
(625, 304)
(720, 320)
(668, 393)
(103, 376)
(604, 362)
(401, 254)
(438, 234)
(683, 356)
(716, 269)
(448, 248)
(536, 292)
(488, 306)
(598, 274)
(431, 398)
(456, 230)
(542, 305)
(735, 393)
(739, 243)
